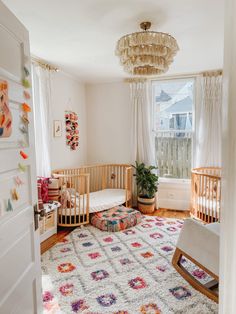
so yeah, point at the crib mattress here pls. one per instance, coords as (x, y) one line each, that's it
(98, 201)
(212, 205)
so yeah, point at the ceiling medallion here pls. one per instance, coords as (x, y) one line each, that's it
(146, 52)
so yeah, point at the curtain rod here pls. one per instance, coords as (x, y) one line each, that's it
(212, 73)
(169, 77)
(44, 64)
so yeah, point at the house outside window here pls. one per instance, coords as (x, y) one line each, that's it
(173, 104)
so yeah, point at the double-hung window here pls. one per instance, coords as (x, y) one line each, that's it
(173, 104)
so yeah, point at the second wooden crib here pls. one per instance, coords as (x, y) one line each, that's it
(206, 193)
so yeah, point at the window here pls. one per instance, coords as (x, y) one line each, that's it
(173, 102)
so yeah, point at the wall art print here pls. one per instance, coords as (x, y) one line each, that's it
(57, 128)
(72, 129)
(5, 113)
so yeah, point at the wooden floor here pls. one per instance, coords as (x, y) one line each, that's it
(62, 232)
(170, 213)
(50, 242)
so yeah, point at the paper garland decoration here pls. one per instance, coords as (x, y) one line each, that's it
(26, 94)
(18, 181)
(6, 130)
(72, 129)
(23, 155)
(23, 129)
(26, 83)
(9, 206)
(25, 119)
(15, 195)
(5, 113)
(26, 71)
(26, 107)
(22, 167)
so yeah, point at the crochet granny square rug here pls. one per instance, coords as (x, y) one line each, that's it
(127, 272)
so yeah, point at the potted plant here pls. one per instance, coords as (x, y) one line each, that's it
(147, 182)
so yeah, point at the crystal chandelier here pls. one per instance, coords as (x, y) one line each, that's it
(146, 52)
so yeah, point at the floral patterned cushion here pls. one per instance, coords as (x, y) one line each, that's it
(116, 219)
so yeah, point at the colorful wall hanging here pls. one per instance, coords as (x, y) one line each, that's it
(5, 113)
(72, 129)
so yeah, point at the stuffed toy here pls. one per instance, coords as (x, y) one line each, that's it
(65, 196)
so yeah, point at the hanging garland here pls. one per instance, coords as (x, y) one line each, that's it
(72, 130)
(6, 205)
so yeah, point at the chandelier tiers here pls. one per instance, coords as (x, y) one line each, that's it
(146, 52)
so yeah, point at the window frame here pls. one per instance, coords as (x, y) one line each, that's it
(193, 77)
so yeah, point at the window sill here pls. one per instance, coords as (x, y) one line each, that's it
(174, 181)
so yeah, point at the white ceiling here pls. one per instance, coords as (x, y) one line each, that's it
(80, 36)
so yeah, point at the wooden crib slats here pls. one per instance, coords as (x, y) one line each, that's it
(217, 198)
(209, 209)
(72, 212)
(206, 193)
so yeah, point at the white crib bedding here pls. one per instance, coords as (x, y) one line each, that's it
(212, 205)
(98, 201)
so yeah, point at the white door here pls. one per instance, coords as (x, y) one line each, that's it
(20, 276)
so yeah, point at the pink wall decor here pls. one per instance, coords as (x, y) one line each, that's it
(72, 129)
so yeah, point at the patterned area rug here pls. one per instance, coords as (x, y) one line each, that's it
(128, 272)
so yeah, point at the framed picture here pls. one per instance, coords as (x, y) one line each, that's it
(57, 128)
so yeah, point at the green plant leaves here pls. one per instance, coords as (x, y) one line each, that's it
(146, 180)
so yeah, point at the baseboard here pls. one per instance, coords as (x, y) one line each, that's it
(174, 204)
(48, 234)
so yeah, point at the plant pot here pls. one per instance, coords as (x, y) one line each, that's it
(146, 205)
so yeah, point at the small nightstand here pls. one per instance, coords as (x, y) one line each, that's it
(48, 223)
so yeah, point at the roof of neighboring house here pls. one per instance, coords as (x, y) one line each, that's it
(163, 97)
(183, 105)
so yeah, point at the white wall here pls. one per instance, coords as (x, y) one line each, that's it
(109, 133)
(68, 94)
(108, 123)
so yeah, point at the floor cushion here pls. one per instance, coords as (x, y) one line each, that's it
(116, 219)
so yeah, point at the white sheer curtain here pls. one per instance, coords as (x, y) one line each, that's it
(208, 122)
(42, 103)
(142, 140)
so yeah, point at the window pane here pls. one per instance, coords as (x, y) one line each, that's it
(173, 116)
